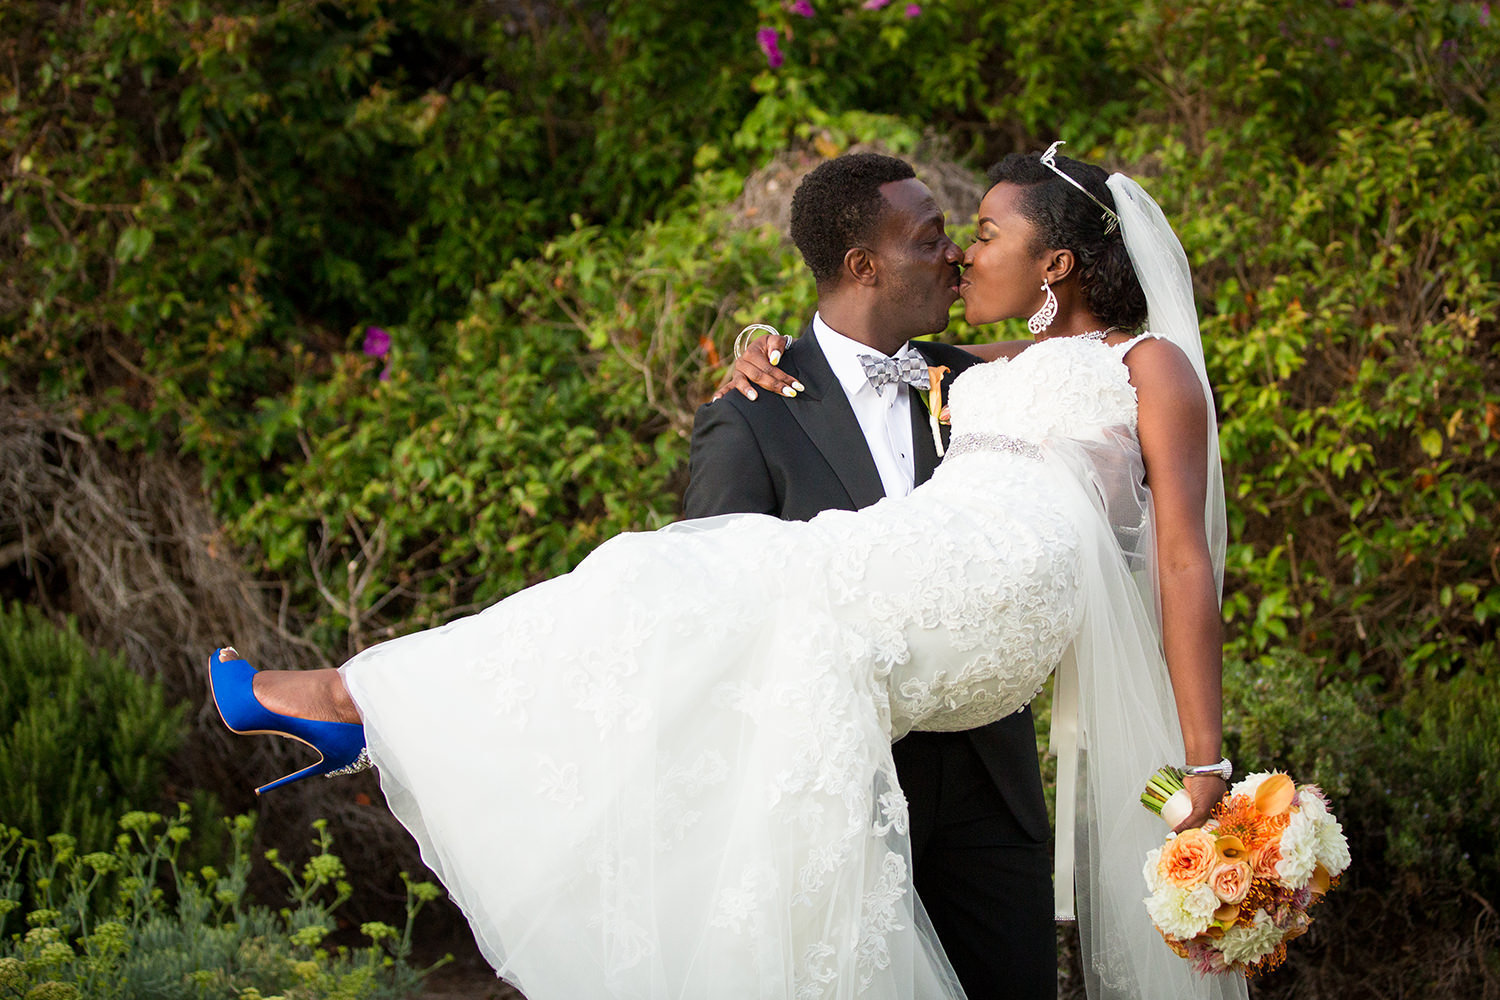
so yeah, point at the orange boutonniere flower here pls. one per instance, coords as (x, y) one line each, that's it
(936, 412)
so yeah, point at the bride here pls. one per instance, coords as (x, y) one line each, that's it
(633, 791)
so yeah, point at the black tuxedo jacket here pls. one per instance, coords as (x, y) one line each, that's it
(793, 458)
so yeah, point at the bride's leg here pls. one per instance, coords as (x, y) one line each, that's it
(307, 694)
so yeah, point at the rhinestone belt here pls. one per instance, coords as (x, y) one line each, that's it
(963, 444)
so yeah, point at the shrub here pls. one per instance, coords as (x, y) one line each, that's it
(1437, 772)
(132, 924)
(82, 738)
(1332, 194)
(500, 450)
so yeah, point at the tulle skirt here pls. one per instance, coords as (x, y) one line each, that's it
(666, 774)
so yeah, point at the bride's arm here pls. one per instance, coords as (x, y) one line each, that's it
(1173, 427)
(757, 367)
(999, 349)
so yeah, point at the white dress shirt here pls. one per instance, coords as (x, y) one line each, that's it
(884, 415)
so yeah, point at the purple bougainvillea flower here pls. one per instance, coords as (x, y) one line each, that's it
(1484, 15)
(769, 44)
(802, 7)
(377, 342)
(913, 10)
(874, 4)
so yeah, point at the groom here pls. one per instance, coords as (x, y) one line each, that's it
(886, 272)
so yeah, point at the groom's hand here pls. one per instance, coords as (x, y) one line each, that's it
(1205, 791)
(757, 367)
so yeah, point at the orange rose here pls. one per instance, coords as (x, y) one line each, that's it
(1187, 858)
(1230, 881)
(1263, 859)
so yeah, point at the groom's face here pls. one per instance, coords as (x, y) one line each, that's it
(918, 264)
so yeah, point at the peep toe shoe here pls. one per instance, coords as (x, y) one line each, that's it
(340, 745)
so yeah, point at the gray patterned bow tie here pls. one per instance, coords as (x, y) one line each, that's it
(882, 371)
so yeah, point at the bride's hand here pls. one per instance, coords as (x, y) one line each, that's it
(757, 367)
(1205, 791)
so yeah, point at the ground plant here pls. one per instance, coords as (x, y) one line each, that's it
(135, 923)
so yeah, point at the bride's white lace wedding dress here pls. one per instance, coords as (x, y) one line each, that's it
(668, 773)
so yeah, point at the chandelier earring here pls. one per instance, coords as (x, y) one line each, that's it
(1043, 317)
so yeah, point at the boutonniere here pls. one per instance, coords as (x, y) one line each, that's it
(937, 413)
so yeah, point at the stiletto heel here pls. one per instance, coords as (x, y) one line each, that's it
(340, 745)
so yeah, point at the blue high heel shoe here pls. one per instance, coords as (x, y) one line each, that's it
(340, 745)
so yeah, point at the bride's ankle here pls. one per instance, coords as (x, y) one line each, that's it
(339, 699)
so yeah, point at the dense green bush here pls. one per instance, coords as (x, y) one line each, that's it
(82, 737)
(1442, 753)
(553, 415)
(133, 923)
(210, 202)
(1350, 285)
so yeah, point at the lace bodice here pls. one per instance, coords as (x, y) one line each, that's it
(1063, 387)
(1001, 587)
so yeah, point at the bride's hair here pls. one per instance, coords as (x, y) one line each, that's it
(1065, 219)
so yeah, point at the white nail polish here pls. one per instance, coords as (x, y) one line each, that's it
(775, 357)
(788, 392)
(799, 386)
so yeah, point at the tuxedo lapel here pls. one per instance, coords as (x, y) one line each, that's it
(921, 430)
(924, 451)
(824, 413)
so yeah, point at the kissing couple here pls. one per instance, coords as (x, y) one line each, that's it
(670, 773)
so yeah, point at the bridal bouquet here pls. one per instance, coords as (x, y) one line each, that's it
(1229, 895)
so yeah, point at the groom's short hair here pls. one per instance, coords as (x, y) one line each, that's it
(839, 205)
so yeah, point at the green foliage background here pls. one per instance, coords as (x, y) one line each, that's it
(81, 736)
(207, 202)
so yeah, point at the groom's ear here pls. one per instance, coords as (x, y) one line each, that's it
(859, 264)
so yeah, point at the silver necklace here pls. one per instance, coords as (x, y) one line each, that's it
(1099, 334)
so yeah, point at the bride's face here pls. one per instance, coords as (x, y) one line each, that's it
(1003, 270)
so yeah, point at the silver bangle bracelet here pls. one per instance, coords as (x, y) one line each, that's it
(1222, 770)
(746, 335)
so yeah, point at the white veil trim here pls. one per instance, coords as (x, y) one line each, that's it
(1161, 266)
(1112, 693)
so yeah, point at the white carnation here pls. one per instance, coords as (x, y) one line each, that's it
(1311, 805)
(1154, 881)
(1298, 852)
(1331, 848)
(1201, 901)
(1169, 909)
(1252, 943)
